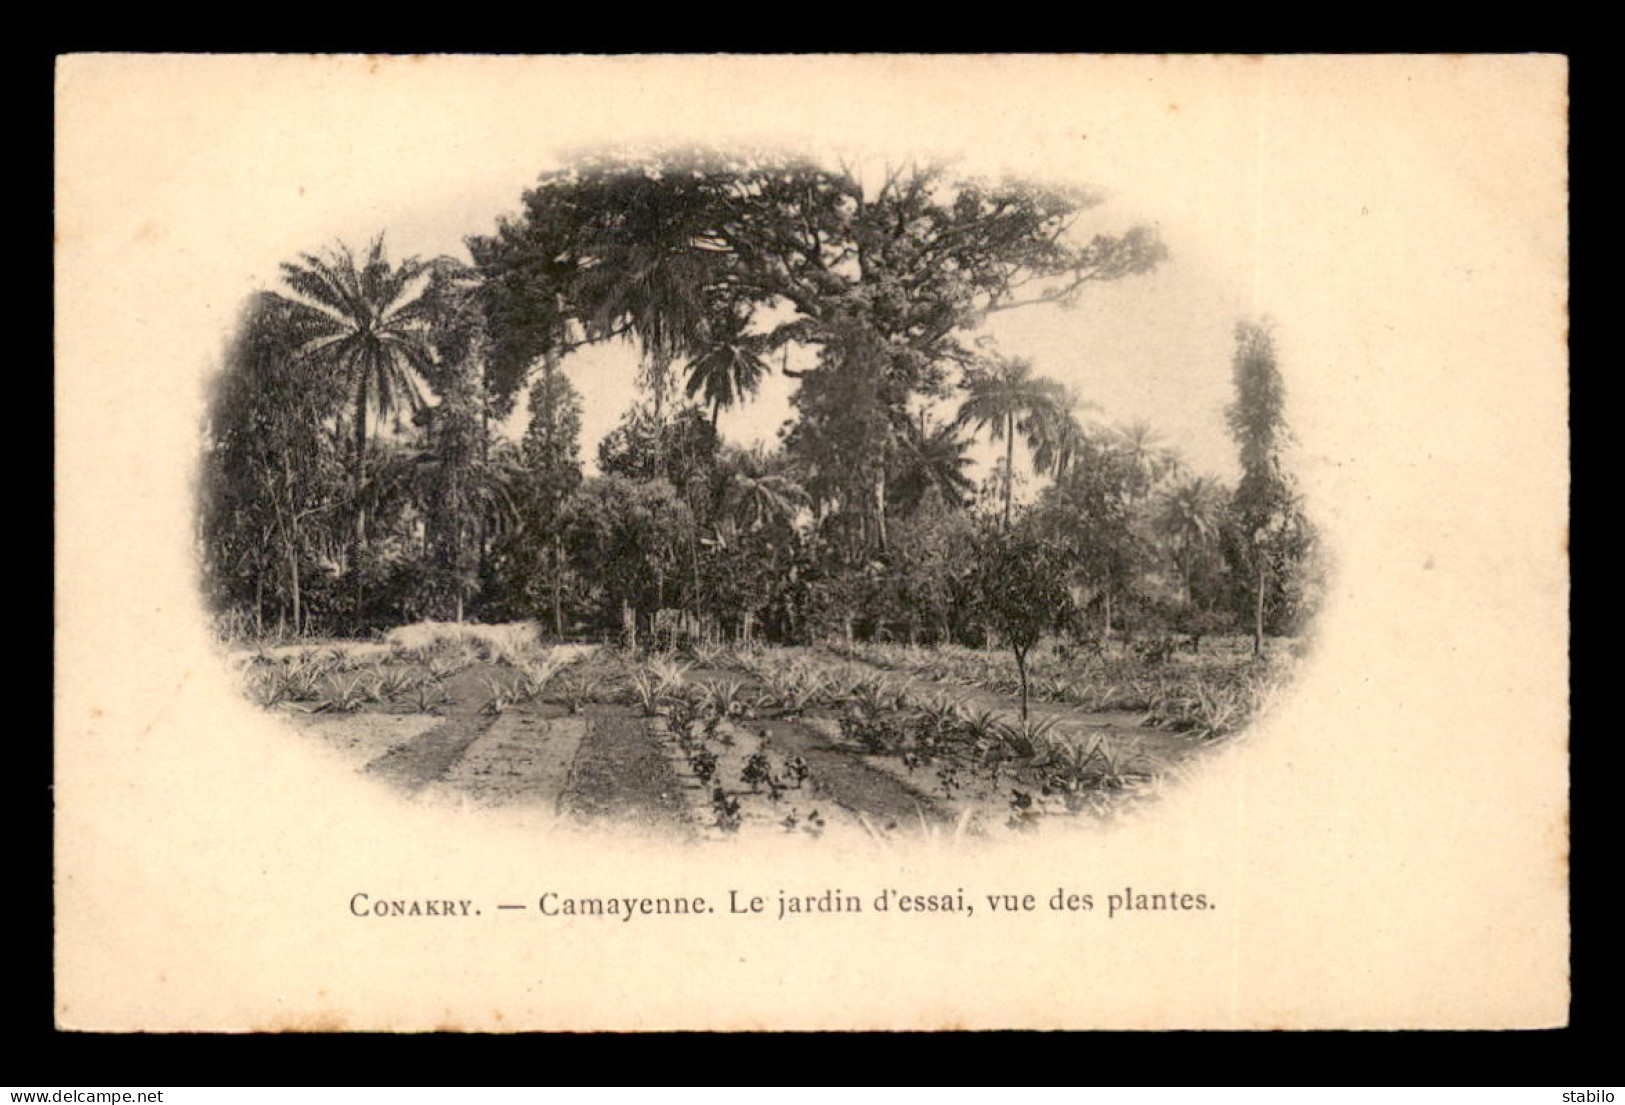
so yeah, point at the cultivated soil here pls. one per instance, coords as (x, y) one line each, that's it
(593, 757)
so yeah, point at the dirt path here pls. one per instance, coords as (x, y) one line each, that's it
(841, 775)
(521, 760)
(360, 738)
(620, 774)
(424, 759)
(602, 766)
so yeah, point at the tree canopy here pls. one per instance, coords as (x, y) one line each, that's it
(724, 259)
(362, 466)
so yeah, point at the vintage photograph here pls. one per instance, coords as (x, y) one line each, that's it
(822, 543)
(919, 580)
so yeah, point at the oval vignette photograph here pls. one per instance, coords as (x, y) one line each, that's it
(724, 493)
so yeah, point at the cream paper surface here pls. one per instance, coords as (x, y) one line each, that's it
(1387, 850)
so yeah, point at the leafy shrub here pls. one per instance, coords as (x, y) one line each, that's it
(704, 763)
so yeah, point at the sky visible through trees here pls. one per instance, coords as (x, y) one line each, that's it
(1155, 349)
(750, 388)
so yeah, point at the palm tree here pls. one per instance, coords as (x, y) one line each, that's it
(729, 367)
(932, 459)
(1005, 398)
(1148, 460)
(758, 501)
(1056, 436)
(368, 323)
(1190, 516)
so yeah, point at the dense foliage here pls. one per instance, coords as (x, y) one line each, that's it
(397, 440)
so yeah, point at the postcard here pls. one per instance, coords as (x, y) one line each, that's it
(811, 543)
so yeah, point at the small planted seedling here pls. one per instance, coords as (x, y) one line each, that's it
(781, 682)
(301, 682)
(797, 771)
(1023, 811)
(668, 673)
(427, 695)
(1117, 761)
(395, 682)
(1098, 696)
(1218, 711)
(980, 726)
(877, 734)
(579, 691)
(935, 723)
(875, 695)
(1028, 739)
(758, 771)
(726, 810)
(709, 654)
(499, 696)
(715, 731)
(531, 680)
(348, 695)
(937, 715)
(444, 667)
(704, 763)
(681, 717)
(801, 692)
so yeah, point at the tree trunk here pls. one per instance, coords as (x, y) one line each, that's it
(1258, 615)
(359, 537)
(293, 581)
(1021, 670)
(880, 504)
(290, 534)
(694, 568)
(558, 586)
(484, 531)
(1009, 468)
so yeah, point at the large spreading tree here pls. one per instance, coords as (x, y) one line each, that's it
(1269, 536)
(877, 277)
(361, 446)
